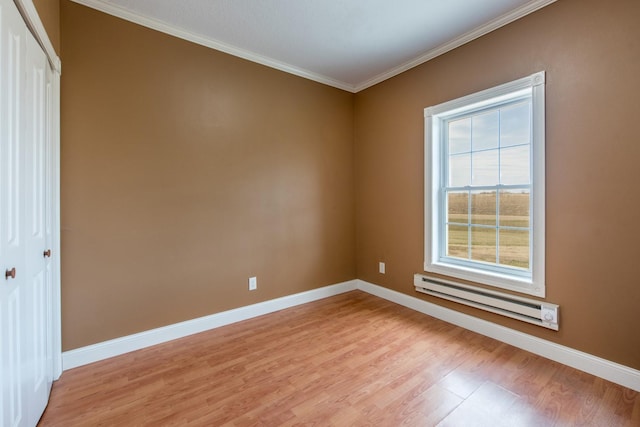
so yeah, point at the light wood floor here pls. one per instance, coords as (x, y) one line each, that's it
(353, 359)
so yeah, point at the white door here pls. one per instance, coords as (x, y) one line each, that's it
(12, 263)
(25, 224)
(36, 298)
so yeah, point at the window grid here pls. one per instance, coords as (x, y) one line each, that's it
(470, 225)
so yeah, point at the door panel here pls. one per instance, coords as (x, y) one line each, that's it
(12, 47)
(36, 289)
(10, 378)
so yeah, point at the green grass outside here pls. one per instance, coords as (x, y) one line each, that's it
(514, 212)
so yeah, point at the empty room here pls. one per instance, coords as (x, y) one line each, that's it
(330, 213)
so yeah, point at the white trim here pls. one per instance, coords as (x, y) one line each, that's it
(492, 95)
(118, 346)
(490, 26)
(57, 252)
(163, 27)
(154, 24)
(538, 171)
(32, 19)
(611, 371)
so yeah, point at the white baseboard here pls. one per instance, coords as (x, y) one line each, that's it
(115, 347)
(611, 371)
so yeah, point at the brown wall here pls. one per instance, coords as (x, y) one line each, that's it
(184, 172)
(591, 52)
(49, 12)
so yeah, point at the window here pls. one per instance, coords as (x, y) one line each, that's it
(484, 186)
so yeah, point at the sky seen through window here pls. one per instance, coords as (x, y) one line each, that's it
(491, 147)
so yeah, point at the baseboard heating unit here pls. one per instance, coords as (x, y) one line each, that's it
(528, 310)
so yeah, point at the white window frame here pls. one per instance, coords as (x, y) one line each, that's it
(533, 281)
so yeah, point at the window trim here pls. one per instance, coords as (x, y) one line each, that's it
(434, 116)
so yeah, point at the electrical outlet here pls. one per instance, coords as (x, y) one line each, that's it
(253, 283)
(381, 267)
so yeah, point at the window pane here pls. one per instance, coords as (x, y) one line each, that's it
(515, 124)
(514, 248)
(458, 241)
(485, 130)
(483, 244)
(483, 207)
(459, 170)
(514, 165)
(514, 208)
(460, 136)
(458, 207)
(485, 167)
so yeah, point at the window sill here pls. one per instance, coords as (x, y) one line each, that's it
(516, 284)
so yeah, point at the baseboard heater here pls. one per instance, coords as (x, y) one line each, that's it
(528, 310)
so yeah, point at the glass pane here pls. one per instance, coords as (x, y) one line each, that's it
(458, 241)
(515, 124)
(485, 130)
(514, 208)
(460, 136)
(514, 248)
(459, 170)
(458, 207)
(485, 167)
(514, 165)
(483, 244)
(483, 207)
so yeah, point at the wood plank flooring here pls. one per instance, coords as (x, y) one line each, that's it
(348, 360)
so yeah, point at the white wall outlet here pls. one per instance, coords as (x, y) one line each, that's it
(381, 267)
(253, 283)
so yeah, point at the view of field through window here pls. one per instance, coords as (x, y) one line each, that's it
(488, 186)
(477, 232)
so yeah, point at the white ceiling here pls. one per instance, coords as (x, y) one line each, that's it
(349, 44)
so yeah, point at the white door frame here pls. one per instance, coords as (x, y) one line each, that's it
(34, 24)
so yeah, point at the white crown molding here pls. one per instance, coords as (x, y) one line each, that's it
(34, 23)
(115, 347)
(611, 371)
(490, 26)
(163, 27)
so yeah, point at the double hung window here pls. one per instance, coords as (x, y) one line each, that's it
(484, 186)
